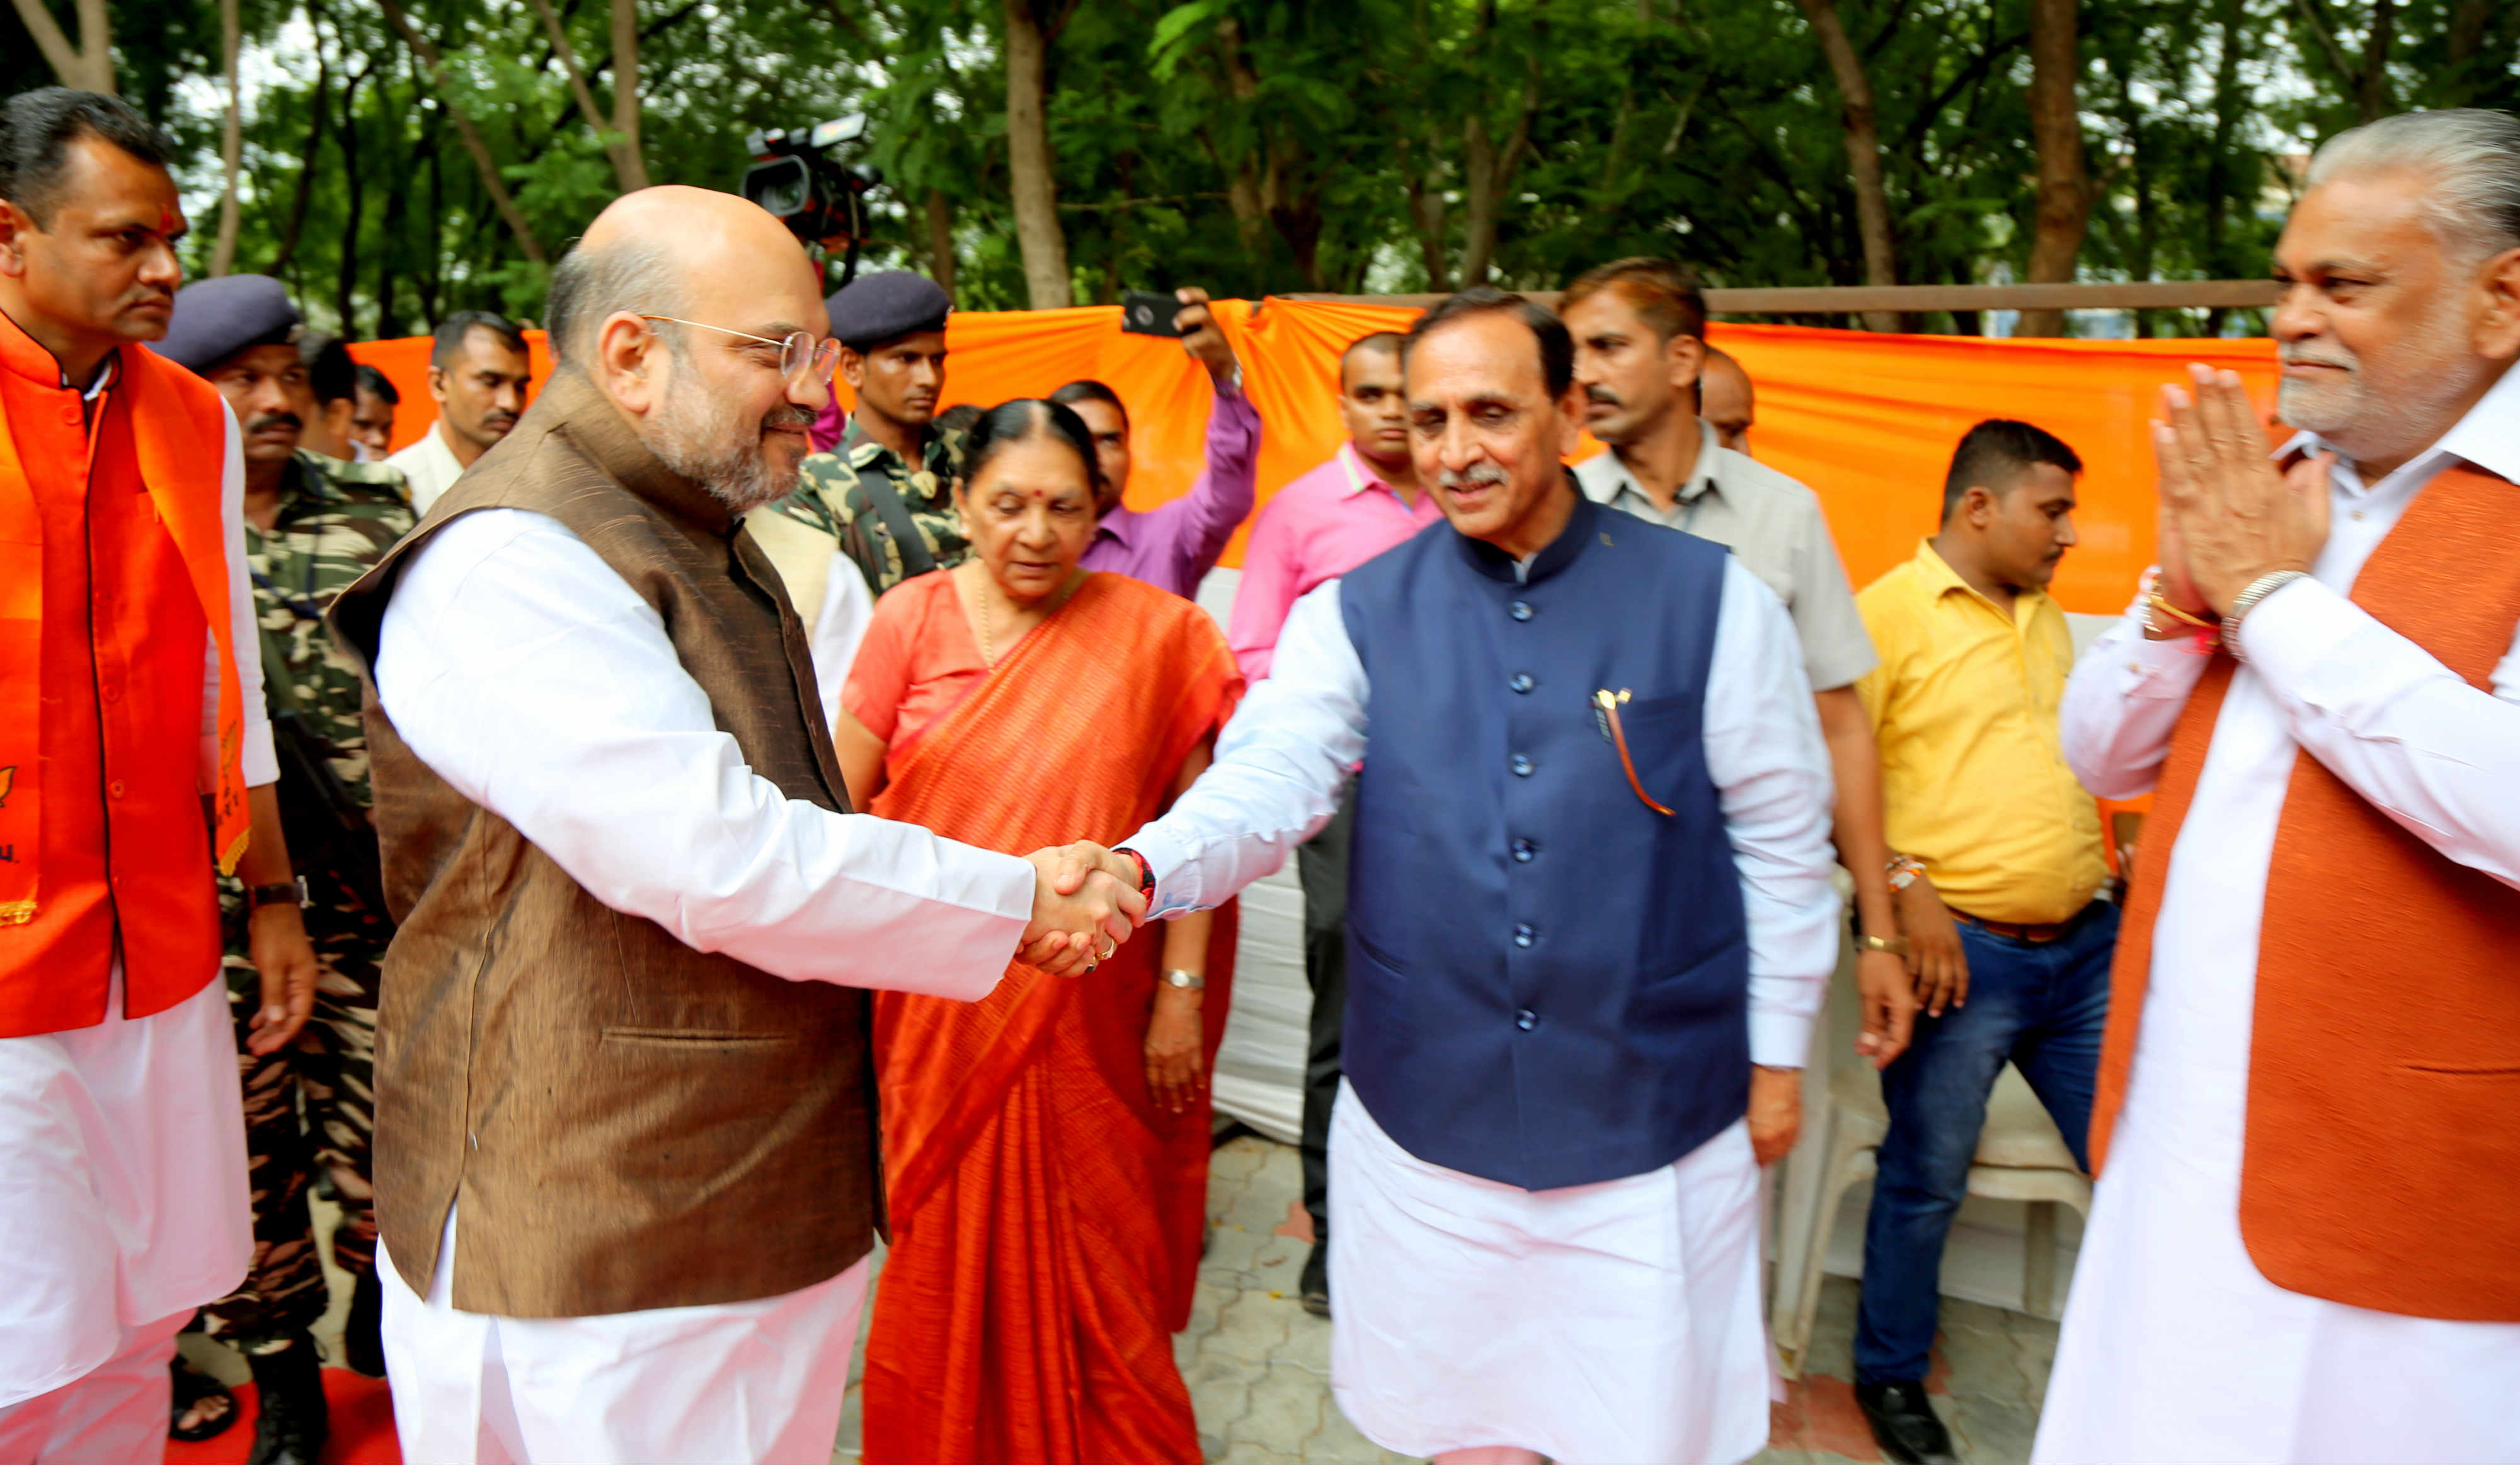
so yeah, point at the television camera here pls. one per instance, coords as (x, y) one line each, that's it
(797, 174)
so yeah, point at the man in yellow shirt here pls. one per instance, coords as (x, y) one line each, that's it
(1996, 867)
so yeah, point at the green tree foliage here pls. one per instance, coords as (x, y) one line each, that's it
(1287, 144)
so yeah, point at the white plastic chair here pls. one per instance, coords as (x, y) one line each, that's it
(2020, 1157)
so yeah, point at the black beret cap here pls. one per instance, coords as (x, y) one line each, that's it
(878, 308)
(215, 318)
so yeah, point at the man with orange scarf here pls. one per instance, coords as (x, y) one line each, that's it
(130, 693)
(2301, 1243)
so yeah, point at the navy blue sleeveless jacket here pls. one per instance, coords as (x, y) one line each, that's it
(1548, 981)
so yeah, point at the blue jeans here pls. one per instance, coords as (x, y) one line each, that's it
(2042, 1007)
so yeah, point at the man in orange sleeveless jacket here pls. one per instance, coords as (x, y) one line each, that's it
(2305, 1240)
(130, 702)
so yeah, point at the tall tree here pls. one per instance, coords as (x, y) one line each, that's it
(621, 129)
(491, 182)
(2064, 205)
(1033, 178)
(1863, 153)
(87, 64)
(231, 138)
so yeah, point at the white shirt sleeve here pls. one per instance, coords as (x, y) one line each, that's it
(537, 683)
(838, 627)
(1769, 768)
(261, 761)
(2121, 703)
(2413, 738)
(1279, 763)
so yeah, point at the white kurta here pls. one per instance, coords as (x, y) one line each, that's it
(1608, 1324)
(2175, 1346)
(429, 465)
(531, 678)
(124, 1144)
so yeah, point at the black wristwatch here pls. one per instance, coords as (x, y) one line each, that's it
(292, 894)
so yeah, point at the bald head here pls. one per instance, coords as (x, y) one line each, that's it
(714, 398)
(680, 252)
(1726, 400)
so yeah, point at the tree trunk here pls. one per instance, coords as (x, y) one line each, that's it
(1426, 220)
(1030, 179)
(231, 140)
(1862, 154)
(2373, 96)
(940, 241)
(629, 168)
(2064, 205)
(1488, 168)
(87, 65)
(345, 282)
(491, 183)
(319, 114)
(2221, 190)
(631, 163)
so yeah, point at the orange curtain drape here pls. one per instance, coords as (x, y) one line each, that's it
(1868, 421)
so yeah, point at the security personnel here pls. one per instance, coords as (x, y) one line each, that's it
(881, 498)
(313, 524)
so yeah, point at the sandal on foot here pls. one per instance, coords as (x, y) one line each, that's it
(193, 1390)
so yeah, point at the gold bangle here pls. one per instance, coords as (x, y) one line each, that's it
(1896, 946)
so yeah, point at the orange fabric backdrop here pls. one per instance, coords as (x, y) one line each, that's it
(1868, 421)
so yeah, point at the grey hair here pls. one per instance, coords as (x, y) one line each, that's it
(2471, 156)
(589, 285)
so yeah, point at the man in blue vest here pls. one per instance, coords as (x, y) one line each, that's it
(1590, 922)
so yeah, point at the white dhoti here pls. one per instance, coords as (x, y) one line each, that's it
(755, 1381)
(1608, 1324)
(124, 1207)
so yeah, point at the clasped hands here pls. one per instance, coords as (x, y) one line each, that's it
(1085, 903)
(2230, 514)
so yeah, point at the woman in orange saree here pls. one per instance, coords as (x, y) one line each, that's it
(1046, 1148)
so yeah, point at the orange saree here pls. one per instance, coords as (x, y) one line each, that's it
(1046, 1220)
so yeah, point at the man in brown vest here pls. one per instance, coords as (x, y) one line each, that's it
(626, 1161)
(2306, 1241)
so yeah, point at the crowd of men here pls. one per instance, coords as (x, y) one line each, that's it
(533, 717)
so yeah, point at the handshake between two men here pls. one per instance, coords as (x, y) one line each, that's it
(1085, 903)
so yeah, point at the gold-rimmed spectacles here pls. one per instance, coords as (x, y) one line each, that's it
(800, 355)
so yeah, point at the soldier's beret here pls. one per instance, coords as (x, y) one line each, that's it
(215, 318)
(876, 308)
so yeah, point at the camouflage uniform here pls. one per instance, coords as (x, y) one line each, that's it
(335, 520)
(833, 499)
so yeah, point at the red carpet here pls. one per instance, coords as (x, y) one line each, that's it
(363, 1430)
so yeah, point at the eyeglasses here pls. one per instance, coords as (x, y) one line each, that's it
(799, 354)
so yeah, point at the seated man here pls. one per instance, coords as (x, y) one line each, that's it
(1174, 546)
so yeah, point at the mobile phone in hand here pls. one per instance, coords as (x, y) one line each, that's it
(1145, 313)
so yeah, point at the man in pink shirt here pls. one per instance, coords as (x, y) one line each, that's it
(1365, 500)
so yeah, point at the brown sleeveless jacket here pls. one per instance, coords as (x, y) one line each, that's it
(2381, 1160)
(628, 1123)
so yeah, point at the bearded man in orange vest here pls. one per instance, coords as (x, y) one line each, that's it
(2305, 1239)
(130, 706)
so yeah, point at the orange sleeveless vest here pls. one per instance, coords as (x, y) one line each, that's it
(114, 578)
(2381, 1161)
